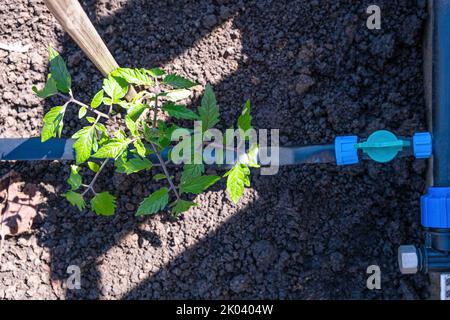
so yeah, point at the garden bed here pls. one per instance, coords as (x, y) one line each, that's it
(313, 70)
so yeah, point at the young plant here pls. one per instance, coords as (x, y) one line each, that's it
(146, 136)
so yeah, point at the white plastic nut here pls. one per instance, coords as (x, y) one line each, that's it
(408, 259)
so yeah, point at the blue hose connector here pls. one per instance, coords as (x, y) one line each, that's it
(422, 145)
(435, 208)
(345, 150)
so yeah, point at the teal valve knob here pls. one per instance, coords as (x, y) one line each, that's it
(382, 146)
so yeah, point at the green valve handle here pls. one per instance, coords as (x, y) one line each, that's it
(382, 146)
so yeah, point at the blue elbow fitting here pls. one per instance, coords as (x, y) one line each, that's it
(345, 150)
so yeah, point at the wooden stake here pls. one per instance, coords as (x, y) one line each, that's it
(75, 21)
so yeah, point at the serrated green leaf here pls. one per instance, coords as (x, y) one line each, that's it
(159, 176)
(245, 119)
(59, 71)
(133, 165)
(191, 171)
(93, 166)
(197, 185)
(107, 101)
(103, 204)
(75, 199)
(131, 125)
(237, 179)
(138, 96)
(53, 123)
(157, 201)
(136, 110)
(179, 112)
(84, 144)
(101, 127)
(112, 149)
(74, 179)
(115, 87)
(208, 110)
(178, 82)
(97, 99)
(134, 76)
(120, 135)
(49, 89)
(253, 156)
(140, 147)
(155, 72)
(82, 112)
(150, 135)
(177, 94)
(182, 206)
(90, 119)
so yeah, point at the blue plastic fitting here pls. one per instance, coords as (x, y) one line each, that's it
(422, 145)
(435, 207)
(345, 150)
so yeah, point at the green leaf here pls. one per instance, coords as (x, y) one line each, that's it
(115, 87)
(155, 72)
(179, 112)
(59, 71)
(84, 144)
(182, 206)
(134, 76)
(245, 119)
(237, 179)
(75, 199)
(157, 201)
(178, 82)
(131, 125)
(138, 96)
(197, 185)
(93, 166)
(101, 127)
(191, 171)
(104, 204)
(253, 156)
(150, 135)
(74, 179)
(49, 89)
(53, 123)
(177, 94)
(159, 176)
(120, 135)
(97, 99)
(136, 110)
(133, 165)
(112, 149)
(140, 147)
(107, 101)
(82, 112)
(208, 110)
(90, 119)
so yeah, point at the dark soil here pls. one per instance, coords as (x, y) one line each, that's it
(313, 70)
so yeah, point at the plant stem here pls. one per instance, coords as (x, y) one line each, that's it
(166, 172)
(72, 99)
(91, 185)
